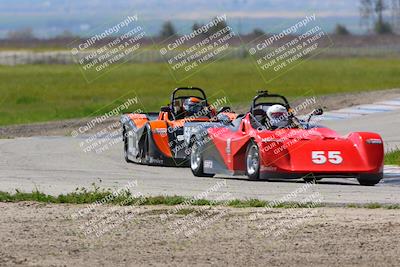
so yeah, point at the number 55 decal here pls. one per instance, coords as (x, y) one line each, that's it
(320, 157)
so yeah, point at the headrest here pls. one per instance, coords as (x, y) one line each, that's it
(259, 112)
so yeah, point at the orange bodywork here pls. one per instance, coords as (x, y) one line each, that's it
(139, 119)
(160, 135)
(159, 127)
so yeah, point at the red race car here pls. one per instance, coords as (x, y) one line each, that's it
(271, 142)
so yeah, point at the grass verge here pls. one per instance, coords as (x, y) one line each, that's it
(38, 93)
(83, 196)
(393, 157)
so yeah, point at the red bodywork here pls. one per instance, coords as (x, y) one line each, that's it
(299, 151)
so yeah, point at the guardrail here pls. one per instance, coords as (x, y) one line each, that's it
(12, 58)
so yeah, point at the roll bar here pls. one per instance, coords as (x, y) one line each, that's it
(265, 94)
(188, 89)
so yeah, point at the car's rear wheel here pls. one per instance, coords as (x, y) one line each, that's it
(196, 161)
(370, 179)
(253, 161)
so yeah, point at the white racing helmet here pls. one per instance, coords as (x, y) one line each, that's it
(278, 116)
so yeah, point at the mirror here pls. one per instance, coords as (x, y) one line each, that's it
(318, 112)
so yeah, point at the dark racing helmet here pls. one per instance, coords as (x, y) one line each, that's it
(193, 106)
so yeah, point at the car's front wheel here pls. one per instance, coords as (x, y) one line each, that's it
(126, 145)
(196, 162)
(370, 179)
(253, 161)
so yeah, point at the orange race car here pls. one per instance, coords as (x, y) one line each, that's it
(164, 138)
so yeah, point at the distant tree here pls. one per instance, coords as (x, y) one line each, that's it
(379, 8)
(167, 30)
(341, 30)
(258, 32)
(381, 27)
(218, 26)
(371, 12)
(196, 26)
(366, 12)
(21, 34)
(395, 10)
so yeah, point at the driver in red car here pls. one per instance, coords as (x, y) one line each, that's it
(278, 116)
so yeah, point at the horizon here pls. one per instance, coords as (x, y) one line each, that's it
(50, 18)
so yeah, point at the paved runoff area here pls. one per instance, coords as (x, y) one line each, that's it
(363, 110)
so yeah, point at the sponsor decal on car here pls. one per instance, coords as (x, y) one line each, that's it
(267, 168)
(154, 160)
(228, 146)
(208, 164)
(161, 131)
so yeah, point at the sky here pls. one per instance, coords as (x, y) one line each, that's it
(51, 17)
(182, 9)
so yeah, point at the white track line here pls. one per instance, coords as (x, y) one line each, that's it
(363, 110)
(391, 171)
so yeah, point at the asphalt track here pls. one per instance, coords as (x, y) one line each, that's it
(57, 165)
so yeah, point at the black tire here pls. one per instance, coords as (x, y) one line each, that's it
(370, 179)
(144, 146)
(196, 162)
(126, 144)
(252, 161)
(311, 179)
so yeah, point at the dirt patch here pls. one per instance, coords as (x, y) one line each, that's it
(45, 235)
(58, 128)
(66, 127)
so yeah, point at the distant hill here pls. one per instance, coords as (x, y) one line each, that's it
(51, 17)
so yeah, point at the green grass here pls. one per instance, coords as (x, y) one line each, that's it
(36, 93)
(393, 157)
(84, 196)
(374, 206)
(248, 203)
